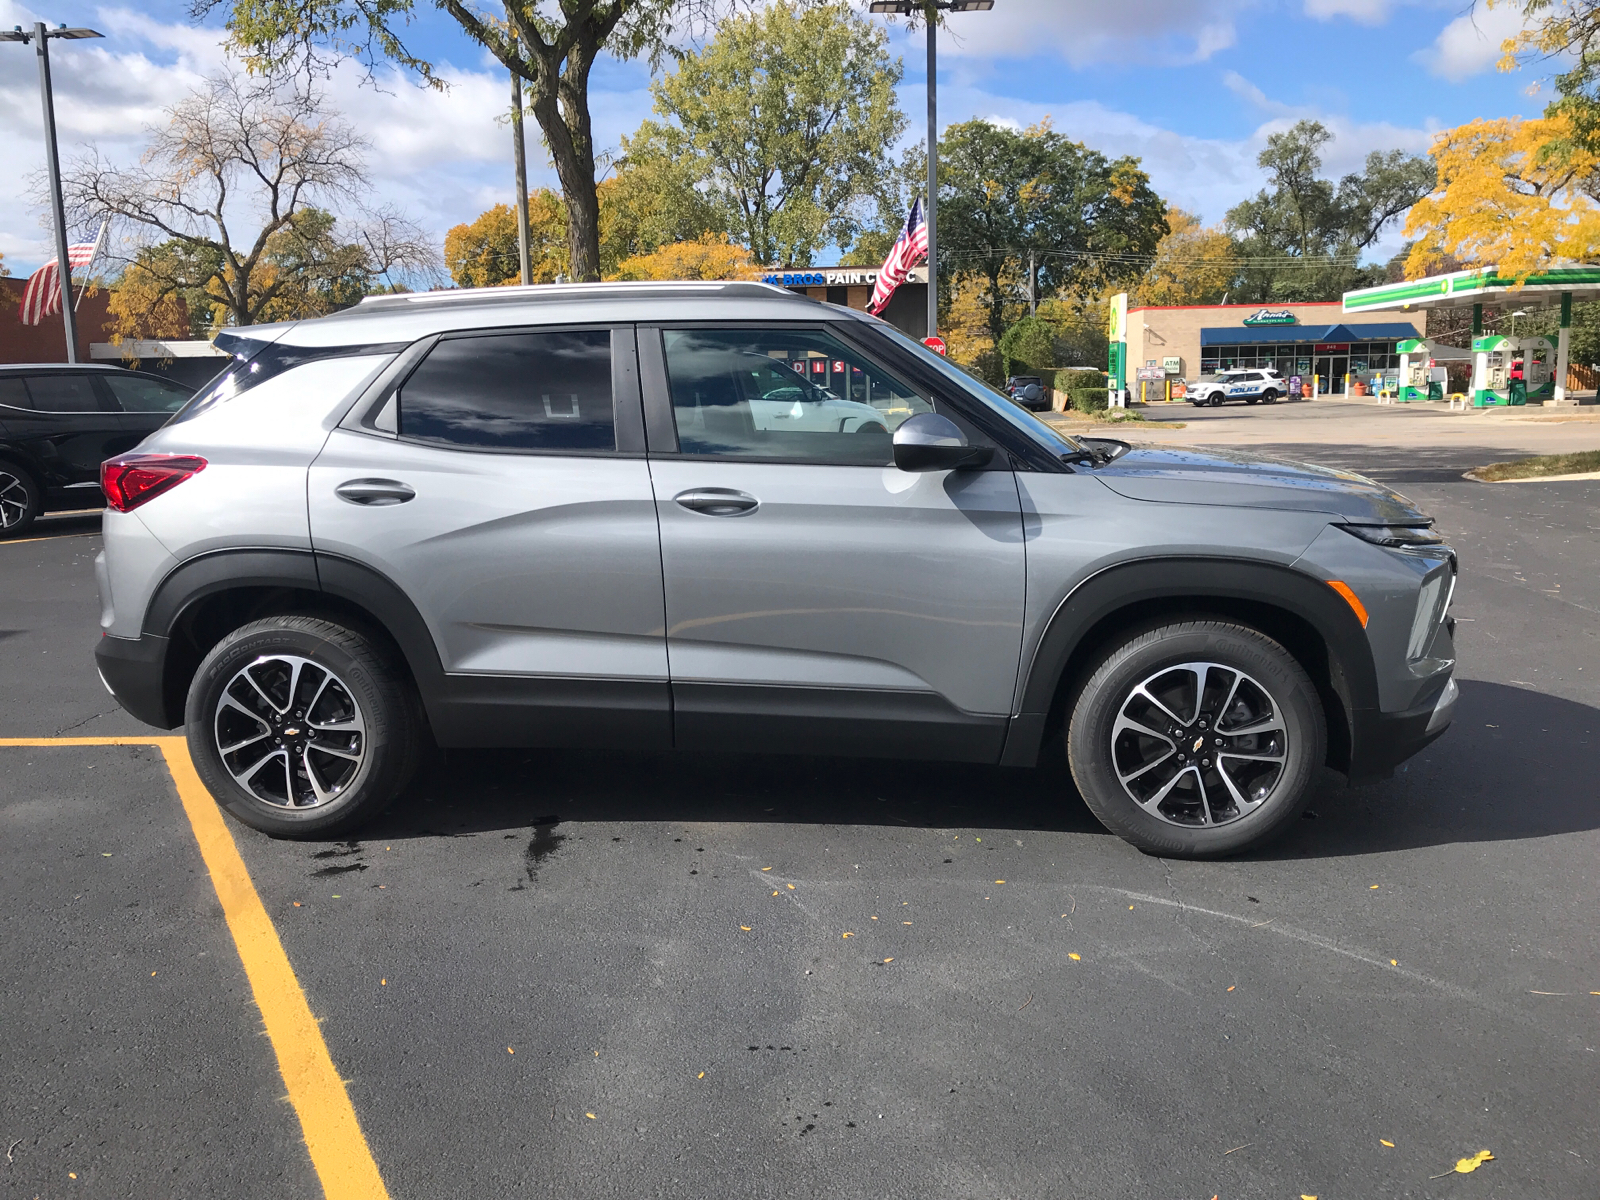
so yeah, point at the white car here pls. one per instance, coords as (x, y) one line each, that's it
(1264, 384)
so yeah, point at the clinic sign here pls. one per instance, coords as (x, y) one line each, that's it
(1271, 316)
(836, 277)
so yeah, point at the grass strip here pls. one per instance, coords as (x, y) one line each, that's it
(1541, 465)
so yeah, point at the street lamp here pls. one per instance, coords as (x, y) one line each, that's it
(930, 10)
(41, 36)
(1514, 316)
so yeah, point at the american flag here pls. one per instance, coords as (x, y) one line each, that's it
(42, 297)
(910, 248)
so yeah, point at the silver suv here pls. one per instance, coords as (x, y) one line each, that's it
(721, 516)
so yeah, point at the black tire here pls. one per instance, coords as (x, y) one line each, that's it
(1268, 671)
(1269, 397)
(365, 679)
(21, 500)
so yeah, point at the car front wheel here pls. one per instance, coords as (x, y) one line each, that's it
(302, 728)
(1197, 739)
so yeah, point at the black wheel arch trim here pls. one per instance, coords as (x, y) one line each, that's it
(1197, 580)
(357, 584)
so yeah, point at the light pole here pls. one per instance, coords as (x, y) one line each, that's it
(1514, 316)
(930, 10)
(40, 36)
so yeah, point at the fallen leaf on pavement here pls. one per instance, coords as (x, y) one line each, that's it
(790, 887)
(766, 868)
(702, 1075)
(888, 960)
(1466, 1166)
(1385, 1142)
(509, 1050)
(999, 880)
(1394, 962)
(847, 935)
(589, 1115)
(746, 928)
(1231, 986)
(1373, 888)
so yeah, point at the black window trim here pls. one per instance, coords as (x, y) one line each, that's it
(662, 425)
(102, 396)
(627, 419)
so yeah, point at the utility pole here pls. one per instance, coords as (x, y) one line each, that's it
(520, 150)
(41, 39)
(1033, 286)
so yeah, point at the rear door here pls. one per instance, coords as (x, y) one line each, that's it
(65, 426)
(817, 598)
(504, 490)
(145, 401)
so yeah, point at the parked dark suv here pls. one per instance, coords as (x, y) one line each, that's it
(60, 421)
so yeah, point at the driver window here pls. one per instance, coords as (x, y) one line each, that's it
(798, 395)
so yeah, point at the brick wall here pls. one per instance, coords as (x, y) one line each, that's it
(45, 342)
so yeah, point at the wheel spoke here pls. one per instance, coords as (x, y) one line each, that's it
(1149, 766)
(348, 755)
(1233, 790)
(1144, 691)
(249, 741)
(1205, 800)
(1264, 725)
(265, 699)
(1250, 757)
(1165, 790)
(1127, 722)
(320, 794)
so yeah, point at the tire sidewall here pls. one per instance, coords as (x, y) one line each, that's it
(1100, 701)
(383, 713)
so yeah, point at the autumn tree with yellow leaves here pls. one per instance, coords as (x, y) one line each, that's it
(1194, 264)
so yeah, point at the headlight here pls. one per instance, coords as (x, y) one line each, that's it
(1397, 537)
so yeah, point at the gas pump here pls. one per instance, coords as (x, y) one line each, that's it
(1491, 374)
(1414, 365)
(1538, 367)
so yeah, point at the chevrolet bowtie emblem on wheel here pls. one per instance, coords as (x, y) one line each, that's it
(296, 733)
(1198, 742)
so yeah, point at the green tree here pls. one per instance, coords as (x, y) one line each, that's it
(1087, 220)
(1029, 346)
(652, 200)
(786, 119)
(1302, 239)
(551, 45)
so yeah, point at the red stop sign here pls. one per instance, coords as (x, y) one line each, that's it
(936, 344)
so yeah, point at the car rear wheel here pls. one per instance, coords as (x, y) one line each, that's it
(302, 728)
(20, 500)
(1197, 739)
(1269, 397)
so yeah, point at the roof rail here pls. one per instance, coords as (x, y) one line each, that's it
(552, 291)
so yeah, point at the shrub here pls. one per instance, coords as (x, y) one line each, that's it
(1070, 379)
(1088, 400)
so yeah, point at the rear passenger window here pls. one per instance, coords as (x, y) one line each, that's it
(513, 391)
(13, 394)
(63, 393)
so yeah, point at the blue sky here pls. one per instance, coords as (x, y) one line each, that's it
(1192, 87)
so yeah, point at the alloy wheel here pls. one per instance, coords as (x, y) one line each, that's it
(14, 500)
(289, 731)
(1199, 744)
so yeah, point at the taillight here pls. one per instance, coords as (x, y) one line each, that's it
(132, 479)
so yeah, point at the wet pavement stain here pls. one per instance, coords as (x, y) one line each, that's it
(340, 870)
(545, 842)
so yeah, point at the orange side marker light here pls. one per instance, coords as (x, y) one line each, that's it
(1351, 599)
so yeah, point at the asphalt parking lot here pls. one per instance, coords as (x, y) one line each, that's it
(607, 975)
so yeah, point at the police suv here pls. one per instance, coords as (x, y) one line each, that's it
(1263, 384)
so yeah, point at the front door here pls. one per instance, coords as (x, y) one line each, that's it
(817, 598)
(507, 495)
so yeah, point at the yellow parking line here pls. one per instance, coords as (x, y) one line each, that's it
(53, 537)
(339, 1151)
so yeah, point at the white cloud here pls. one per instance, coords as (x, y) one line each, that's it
(1470, 44)
(1084, 32)
(1364, 12)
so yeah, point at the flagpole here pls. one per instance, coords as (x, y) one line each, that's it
(53, 161)
(89, 266)
(931, 210)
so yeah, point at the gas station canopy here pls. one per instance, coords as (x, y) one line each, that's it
(1495, 366)
(1479, 285)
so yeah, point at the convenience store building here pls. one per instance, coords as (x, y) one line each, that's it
(1308, 340)
(851, 287)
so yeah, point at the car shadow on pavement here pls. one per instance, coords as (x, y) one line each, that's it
(1394, 465)
(1515, 764)
(472, 791)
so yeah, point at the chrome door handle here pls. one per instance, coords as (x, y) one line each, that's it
(717, 502)
(375, 493)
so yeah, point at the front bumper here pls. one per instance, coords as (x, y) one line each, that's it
(1382, 741)
(133, 671)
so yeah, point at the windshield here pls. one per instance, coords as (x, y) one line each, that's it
(998, 402)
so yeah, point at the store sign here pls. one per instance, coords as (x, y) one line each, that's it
(1172, 365)
(1332, 348)
(797, 279)
(828, 277)
(1271, 316)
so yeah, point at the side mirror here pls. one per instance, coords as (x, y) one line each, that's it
(929, 442)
